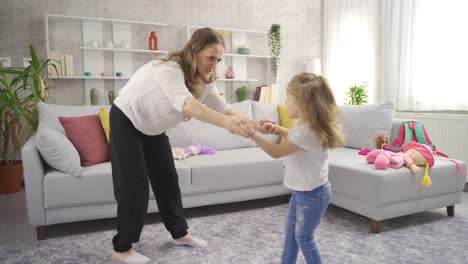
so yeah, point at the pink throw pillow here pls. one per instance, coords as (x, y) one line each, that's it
(88, 137)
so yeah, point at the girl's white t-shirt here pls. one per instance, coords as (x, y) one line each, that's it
(307, 168)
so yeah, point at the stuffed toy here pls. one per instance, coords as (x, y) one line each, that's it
(381, 142)
(414, 154)
(193, 149)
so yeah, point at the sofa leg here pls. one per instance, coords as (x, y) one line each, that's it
(451, 210)
(375, 227)
(40, 232)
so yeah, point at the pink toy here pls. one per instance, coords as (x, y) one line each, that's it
(415, 154)
(383, 159)
(193, 149)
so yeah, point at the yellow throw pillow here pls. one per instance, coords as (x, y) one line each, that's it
(104, 116)
(285, 121)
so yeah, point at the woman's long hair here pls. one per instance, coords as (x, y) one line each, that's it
(317, 107)
(202, 38)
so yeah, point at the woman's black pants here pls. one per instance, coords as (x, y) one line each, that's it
(135, 158)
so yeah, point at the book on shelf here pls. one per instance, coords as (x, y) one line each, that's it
(257, 93)
(268, 93)
(54, 56)
(63, 63)
(69, 71)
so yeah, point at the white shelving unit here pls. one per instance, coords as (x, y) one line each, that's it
(88, 40)
(242, 64)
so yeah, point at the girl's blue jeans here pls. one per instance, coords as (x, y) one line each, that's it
(305, 212)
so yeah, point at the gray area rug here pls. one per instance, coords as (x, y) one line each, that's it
(253, 232)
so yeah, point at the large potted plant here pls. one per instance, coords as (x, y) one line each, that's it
(20, 92)
(274, 42)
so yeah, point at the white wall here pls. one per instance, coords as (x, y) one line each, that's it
(22, 23)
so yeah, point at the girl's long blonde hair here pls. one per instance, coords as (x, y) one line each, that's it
(186, 58)
(317, 107)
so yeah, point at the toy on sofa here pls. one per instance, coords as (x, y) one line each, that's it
(414, 154)
(191, 150)
(381, 142)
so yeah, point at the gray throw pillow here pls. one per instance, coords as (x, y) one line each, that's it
(363, 123)
(53, 144)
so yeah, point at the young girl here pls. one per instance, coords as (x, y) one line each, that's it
(305, 145)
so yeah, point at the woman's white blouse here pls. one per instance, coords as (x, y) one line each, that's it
(154, 97)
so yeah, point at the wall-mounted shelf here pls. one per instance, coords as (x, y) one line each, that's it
(108, 20)
(91, 78)
(237, 80)
(231, 29)
(247, 56)
(126, 50)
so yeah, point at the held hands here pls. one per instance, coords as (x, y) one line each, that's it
(238, 125)
(268, 127)
(245, 127)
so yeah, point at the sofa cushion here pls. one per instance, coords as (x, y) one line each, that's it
(351, 175)
(51, 140)
(104, 116)
(93, 187)
(285, 120)
(234, 169)
(363, 123)
(88, 137)
(54, 146)
(218, 138)
(266, 111)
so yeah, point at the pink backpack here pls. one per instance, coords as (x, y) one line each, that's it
(415, 131)
(411, 131)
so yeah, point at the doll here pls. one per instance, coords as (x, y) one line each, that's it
(414, 154)
(193, 149)
(381, 142)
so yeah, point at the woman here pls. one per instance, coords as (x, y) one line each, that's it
(159, 95)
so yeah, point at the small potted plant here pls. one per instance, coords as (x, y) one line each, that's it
(274, 42)
(243, 49)
(241, 93)
(357, 95)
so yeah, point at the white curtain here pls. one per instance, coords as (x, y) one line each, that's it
(412, 51)
(424, 54)
(350, 45)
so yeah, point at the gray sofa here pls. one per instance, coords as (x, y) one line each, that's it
(239, 171)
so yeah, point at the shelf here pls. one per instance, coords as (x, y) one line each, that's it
(247, 56)
(90, 77)
(107, 20)
(237, 80)
(232, 29)
(125, 50)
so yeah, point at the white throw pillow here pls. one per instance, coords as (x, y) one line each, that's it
(53, 144)
(210, 135)
(363, 123)
(266, 111)
(57, 151)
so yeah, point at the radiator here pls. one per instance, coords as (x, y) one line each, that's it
(448, 132)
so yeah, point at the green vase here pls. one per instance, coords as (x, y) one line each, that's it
(111, 96)
(94, 96)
